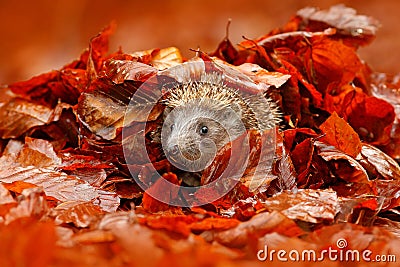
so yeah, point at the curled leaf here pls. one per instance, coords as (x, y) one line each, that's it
(344, 166)
(383, 164)
(344, 19)
(161, 59)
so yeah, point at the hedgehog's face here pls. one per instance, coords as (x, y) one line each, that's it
(192, 134)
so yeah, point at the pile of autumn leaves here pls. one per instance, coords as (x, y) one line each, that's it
(67, 196)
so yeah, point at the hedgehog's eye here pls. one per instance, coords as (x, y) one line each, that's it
(203, 130)
(172, 127)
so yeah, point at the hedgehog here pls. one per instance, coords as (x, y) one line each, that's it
(201, 116)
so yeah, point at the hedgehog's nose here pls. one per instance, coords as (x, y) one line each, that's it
(174, 150)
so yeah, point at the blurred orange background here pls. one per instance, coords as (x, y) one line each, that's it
(40, 35)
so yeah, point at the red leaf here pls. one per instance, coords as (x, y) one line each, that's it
(99, 43)
(33, 86)
(101, 113)
(388, 193)
(386, 87)
(5, 196)
(160, 59)
(49, 88)
(242, 165)
(56, 184)
(301, 157)
(75, 82)
(294, 136)
(98, 47)
(38, 153)
(159, 189)
(316, 96)
(18, 186)
(372, 119)
(226, 51)
(287, 173)
(106, 107)
(128, 190)
(334, 62)
(232, 153)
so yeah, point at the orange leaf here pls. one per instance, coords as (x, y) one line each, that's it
(177, 224)
(214, 224)
(26, 242)
(81, 214)
(18, 186)
(341, 135)
(153, 205)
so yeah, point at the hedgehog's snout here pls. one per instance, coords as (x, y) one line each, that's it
(183, 148)
(188, 151)
(174, 150)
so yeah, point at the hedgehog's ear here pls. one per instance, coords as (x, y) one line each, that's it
(234, 111)
(238, 110)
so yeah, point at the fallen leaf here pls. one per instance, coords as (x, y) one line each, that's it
(313, 206)
(81, 214)
(17, 116)
(257, 226)
(161, 59)
(333, 61)
(119, 71)
(175, 224)
(386, 166)
(160, 195)
(338, 132)
(18, 186)
(31, 204)
(27, 249)
(218, 224)
(360, 28)
(344, 166)
(372, 119)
